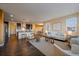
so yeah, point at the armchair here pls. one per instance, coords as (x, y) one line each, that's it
(74, 42)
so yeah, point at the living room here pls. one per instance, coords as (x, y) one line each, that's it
(49, 29)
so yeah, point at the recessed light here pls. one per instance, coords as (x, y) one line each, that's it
(11, 15)
(40, 24)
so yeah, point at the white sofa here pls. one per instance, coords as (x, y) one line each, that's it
(57, 35)
(74, 42)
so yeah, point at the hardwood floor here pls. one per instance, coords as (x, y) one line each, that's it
(19, 48)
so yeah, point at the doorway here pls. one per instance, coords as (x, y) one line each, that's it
(6, 33)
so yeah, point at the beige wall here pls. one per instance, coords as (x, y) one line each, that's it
(1, 26)
(37, 27)
(62, 20)
(33, 27)
(12, 28)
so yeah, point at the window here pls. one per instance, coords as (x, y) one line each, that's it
(48, 27)
(57, 26)
(71, 24)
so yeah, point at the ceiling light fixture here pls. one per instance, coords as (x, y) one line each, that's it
(11, 16)
(40, 24)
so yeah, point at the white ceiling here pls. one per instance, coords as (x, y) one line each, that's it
(38, 12)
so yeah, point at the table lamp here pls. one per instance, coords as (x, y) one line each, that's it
(69, 33)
